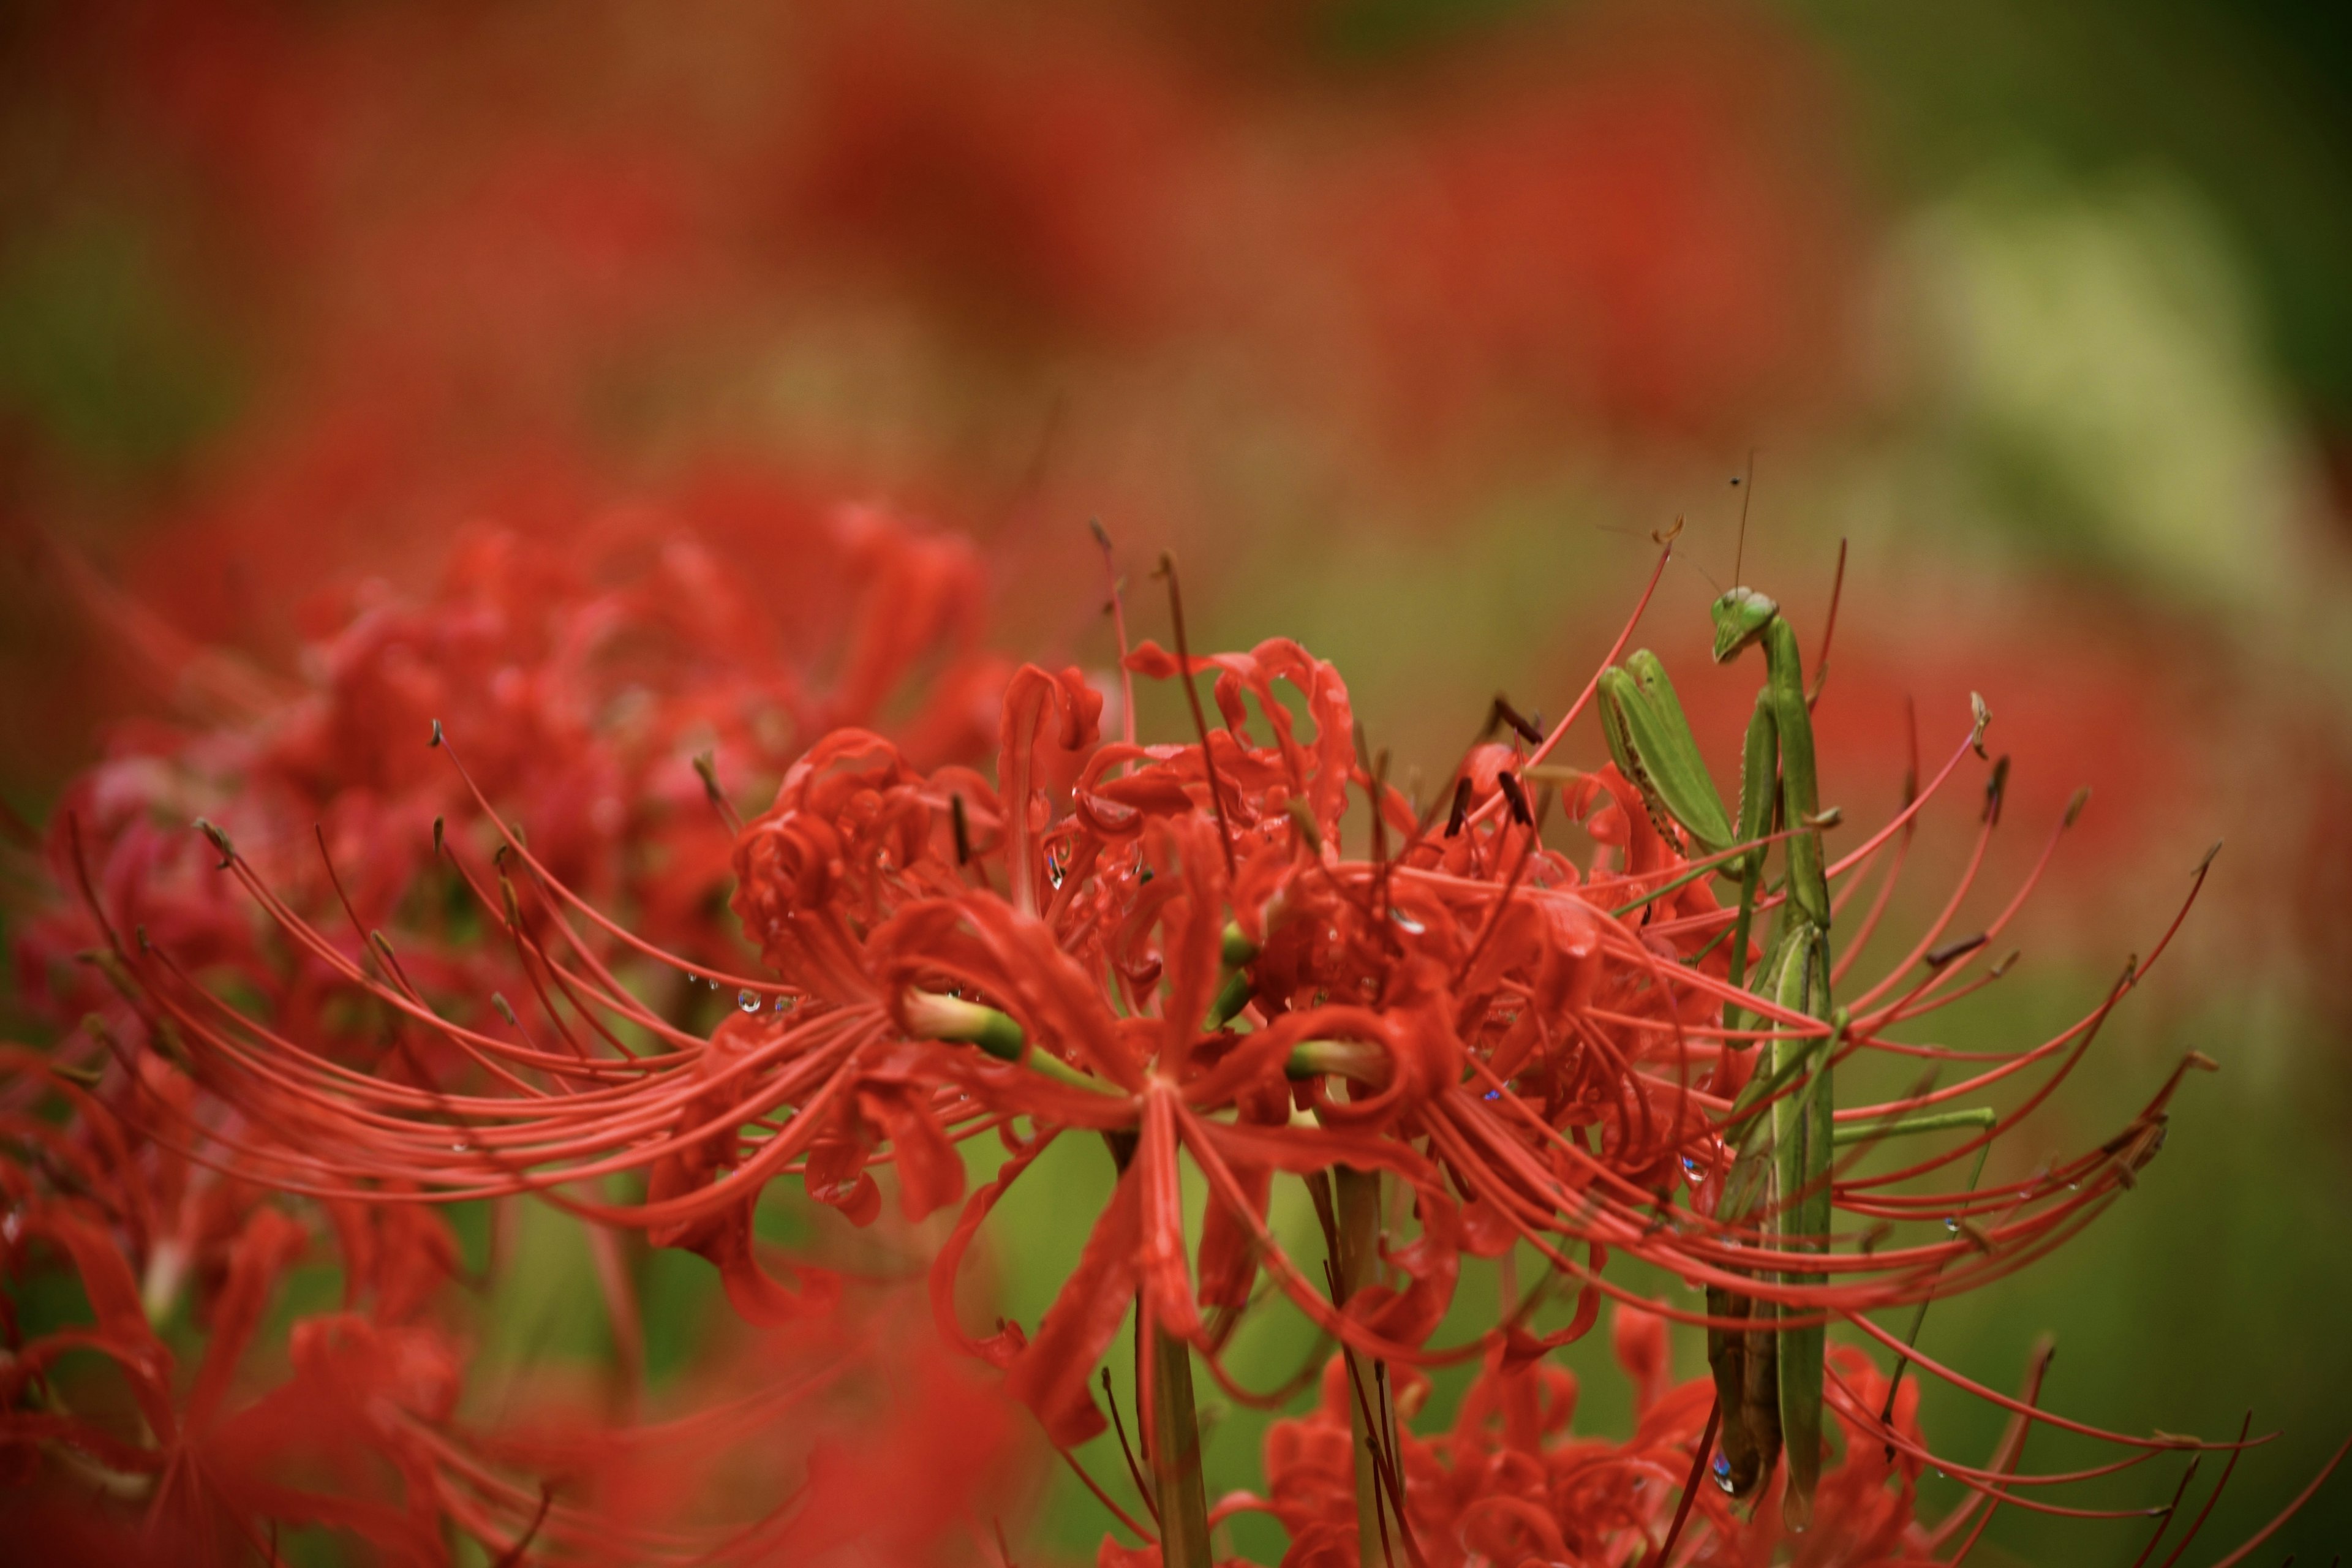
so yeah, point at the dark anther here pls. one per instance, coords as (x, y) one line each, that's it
(1518, 797)
(1995, 788)
(1936, 957)
(1517, 720)
(1461, 812)
(705, 766)
(962, 829)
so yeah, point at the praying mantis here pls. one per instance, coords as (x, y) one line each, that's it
(1768, 1382)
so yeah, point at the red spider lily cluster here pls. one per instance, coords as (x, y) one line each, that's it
(1467, 1046)
(597, 683)
(592, 686)
(114, 1454)
(432, 256)
(1055, 178)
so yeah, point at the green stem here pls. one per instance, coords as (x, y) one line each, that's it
(1174, 1441)
(1357, 1200)
(1171, 1434)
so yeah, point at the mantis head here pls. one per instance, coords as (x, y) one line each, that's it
(1741, 618)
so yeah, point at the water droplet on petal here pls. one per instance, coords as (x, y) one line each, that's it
(1407, 923)
(783, 1003)
(1722, 1473)
(747, 1000)
(1952, 1224)
(1691, 1168)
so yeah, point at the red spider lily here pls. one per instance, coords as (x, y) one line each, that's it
(365, 1435)
(187, 1453)
(363, 1438)
(1509, 1483)
(583, 698)
(590, 696)
(1165, 945)
(191, 1464)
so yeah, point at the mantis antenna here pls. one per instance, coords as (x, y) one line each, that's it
(1739, 552)
(1691, 561)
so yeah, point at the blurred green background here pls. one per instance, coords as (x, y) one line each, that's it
(1406, 324)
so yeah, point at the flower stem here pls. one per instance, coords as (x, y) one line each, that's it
(1174, 1443)
(1171, 1426)
(1357, 1200)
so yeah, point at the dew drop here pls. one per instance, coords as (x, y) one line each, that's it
(1722, 1473)
(1952, 1224)
(1407, 923)
(783, 1003)
(1054, 869)
(747, 1000)
(1691, 1168)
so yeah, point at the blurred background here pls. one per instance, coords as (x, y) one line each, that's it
(1406, 324)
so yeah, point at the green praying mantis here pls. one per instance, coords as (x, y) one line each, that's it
(1768, 1381)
